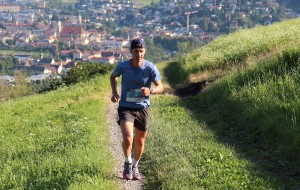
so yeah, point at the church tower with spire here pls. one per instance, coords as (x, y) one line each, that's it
(79, 20)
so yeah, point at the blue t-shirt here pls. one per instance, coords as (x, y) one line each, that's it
(133, 79)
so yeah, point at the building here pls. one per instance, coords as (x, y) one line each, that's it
(73, 32)
(10, 8)
(105, 60)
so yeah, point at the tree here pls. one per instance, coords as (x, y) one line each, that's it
(244, 22)
(122, 32)
(55, 17)
(279, 14)
(129, 19)
(91, 26)
(182, 46)
(6, 65)
(55, 4)
(155, 53)
(255, 17)
(2, 26)
(4, 91)
(83, 72)
(203, 23)
(212, 27)
(10, 42)
(2, 66)
(21, 87)
(110, 26)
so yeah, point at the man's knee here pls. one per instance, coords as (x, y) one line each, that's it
(140, 141)
(128, 141)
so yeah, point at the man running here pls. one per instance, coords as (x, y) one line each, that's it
(137, 76)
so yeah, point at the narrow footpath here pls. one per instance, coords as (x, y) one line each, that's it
(116, 149)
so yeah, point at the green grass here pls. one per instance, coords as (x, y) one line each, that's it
(243, 48)
(242, 131)
(182, 152)
(266, 99)
(57, 140)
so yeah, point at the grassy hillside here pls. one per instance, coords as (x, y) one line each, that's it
(263, 81)
(241, 49)
(243, 130)
(57, 140)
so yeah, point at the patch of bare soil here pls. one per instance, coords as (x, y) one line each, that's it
(191, 90)
(116, 149)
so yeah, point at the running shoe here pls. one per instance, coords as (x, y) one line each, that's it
(127, 172)
(135, 173)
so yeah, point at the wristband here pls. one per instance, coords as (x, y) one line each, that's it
(151, 90)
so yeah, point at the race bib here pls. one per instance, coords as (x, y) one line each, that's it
(135, 95)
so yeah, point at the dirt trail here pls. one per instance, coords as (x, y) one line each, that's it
(116, 149)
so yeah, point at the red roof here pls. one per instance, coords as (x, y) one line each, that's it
(72, 29)
(92, 31)
(66, 51)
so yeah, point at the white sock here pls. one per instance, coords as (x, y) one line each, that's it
(135, 162)
(128, 159)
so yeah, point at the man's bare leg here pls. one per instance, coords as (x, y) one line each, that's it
(127, 133)
(140, 137)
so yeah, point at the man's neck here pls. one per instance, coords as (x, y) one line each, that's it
(136, 63)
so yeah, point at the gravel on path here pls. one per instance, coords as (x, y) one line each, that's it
(117, 152)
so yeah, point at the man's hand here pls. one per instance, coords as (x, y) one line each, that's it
(113, 82)
(146, 91)
(115, 97)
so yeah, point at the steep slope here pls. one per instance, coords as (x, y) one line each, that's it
(243, 126)
(57, 140)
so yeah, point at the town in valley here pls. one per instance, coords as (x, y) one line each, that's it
(46, 38)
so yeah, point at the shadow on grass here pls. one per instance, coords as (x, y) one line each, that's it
(174, 73)
(260, 147)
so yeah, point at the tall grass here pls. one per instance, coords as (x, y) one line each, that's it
(183, 153)
(243, 128)
(241, 133)
(57, 140)
(266, 100)
(236, 48)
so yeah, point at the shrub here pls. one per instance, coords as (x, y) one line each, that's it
(83, 72)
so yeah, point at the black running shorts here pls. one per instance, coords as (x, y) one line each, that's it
(138, 116)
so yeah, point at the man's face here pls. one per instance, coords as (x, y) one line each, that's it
(138, 54)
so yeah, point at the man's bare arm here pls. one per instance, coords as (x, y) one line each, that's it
(157, 89)
(113, 83)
